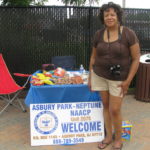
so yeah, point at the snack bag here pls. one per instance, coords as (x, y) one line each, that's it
(126, 130)
(59, 72)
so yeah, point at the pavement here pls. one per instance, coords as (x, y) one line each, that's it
(15, 129)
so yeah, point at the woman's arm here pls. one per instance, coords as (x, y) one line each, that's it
(135, 54)
(92, 60)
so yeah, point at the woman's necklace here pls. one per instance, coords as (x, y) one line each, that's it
(113, 36)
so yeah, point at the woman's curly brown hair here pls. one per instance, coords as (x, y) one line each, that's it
(116, 8)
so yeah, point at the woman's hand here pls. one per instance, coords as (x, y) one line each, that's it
(124, 87)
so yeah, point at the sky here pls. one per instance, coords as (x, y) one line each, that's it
(144, 4)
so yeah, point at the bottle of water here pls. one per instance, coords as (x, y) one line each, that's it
(81, 69)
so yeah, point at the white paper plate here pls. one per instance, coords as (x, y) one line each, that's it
(145, 59)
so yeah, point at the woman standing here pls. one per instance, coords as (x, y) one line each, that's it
(113, 64)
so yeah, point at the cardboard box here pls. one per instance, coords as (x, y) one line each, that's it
(126, 130)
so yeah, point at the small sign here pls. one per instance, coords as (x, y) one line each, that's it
(66, 123)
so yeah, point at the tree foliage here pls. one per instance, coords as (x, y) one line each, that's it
(74, 2)
(41, 2)
(78, 2)
(22, 2)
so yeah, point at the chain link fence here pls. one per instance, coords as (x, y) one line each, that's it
(30, 36)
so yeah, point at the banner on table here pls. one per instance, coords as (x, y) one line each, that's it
(66, 123)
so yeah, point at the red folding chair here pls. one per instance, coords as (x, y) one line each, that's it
(9, 90)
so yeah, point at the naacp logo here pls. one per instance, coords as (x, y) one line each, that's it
(46, 122)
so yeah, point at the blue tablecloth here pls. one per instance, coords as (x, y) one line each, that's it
(60, 94)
